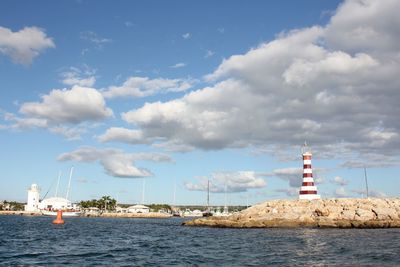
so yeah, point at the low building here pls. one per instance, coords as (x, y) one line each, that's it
(138, 209)
(120, 209)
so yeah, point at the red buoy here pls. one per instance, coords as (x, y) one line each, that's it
(59, 219)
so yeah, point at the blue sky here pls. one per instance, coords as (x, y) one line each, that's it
(175, 92)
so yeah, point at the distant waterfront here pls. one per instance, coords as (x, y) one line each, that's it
(112, 241)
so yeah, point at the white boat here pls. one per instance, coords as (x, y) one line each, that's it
(194, 213)
(50, 206)
(67, 213)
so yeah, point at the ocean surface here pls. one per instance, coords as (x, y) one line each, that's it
(29, 241)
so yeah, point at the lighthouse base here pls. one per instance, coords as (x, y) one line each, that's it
(309, 196)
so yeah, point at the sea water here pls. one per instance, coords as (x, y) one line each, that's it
(29, 241)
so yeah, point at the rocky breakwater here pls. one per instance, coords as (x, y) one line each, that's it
(19, 212)
(327, 213)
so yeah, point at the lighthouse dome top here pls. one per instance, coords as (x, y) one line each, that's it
(34, 187)
(305, 149)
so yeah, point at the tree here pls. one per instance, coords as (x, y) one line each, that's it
(104, 203)
(89, 203)
(107, 203)
(16, 206)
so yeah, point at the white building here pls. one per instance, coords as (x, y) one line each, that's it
(33, 198)
(119, 209)
(138, 209)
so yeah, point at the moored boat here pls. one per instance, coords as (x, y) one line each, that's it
(66, 213)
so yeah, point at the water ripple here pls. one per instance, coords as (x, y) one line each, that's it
(137, 242)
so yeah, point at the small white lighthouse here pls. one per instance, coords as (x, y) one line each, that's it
(33, 198)
(308, 190)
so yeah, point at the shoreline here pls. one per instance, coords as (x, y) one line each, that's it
(152, 215)
(155, 215)
(20, 212)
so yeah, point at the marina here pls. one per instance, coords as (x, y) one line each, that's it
(50, 206)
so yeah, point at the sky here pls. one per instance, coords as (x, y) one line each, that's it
(162, 96)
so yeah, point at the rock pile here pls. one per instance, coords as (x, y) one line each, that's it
(329, 213)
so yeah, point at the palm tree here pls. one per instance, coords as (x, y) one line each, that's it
(107, 202)
(104, 203)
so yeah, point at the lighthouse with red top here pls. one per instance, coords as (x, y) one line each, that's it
(308, 190)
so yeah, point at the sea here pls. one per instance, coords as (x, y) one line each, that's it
(35, 241)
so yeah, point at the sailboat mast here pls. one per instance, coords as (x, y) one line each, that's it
(58, 183)
(69, 182)
(174, 193)
(208, 194)
(143, 185)
(366, 179)
(225, 198)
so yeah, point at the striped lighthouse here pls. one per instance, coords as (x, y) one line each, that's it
(308, 190)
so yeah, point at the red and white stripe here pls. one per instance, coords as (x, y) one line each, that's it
(308, 189)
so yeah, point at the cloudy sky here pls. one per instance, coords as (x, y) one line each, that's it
(168, 95)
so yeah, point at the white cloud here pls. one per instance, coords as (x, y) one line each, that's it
(69, 113)
(339, 181)
(358, 26)
(71, 133)
(172, 146)
(221, 182)
(20, 124)
(189, 121)
(144, 86)
(77, 105)
(23, 46)
(340, 192)
(307, 84)
(371, 193)
(71, 79)
(115, 162)
(75, 76)
(208, 54)
(178, 65)
(291, 191)
(292, 175)
(95, 39)
(186, 35)
(303, 72)
(122, 135)
(24, 123)
(371, 161)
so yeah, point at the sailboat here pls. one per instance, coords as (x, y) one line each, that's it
(50, 206)
(207, 212)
